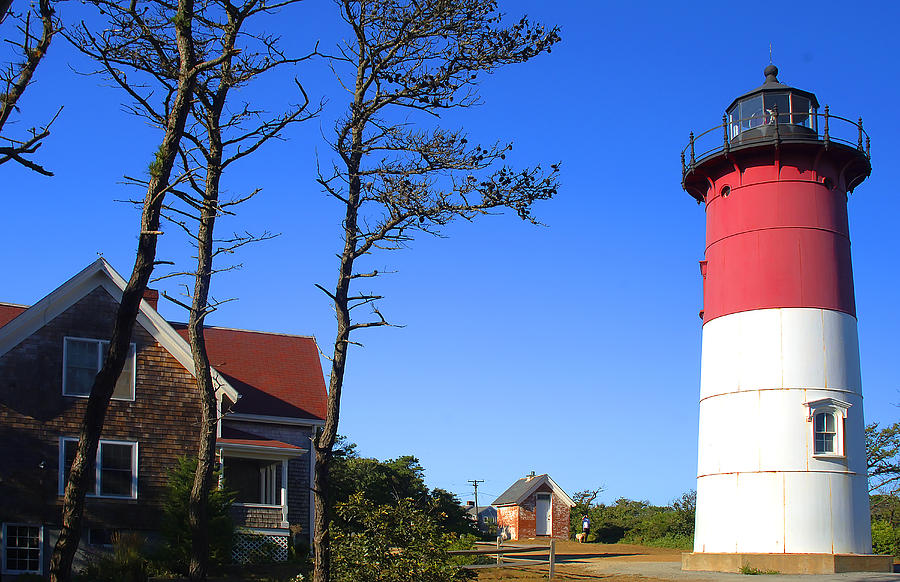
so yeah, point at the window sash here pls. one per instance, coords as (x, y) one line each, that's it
(825, 433)
(80, 368)
(115, 471)
(22, 548)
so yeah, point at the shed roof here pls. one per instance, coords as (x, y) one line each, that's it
(524, 487)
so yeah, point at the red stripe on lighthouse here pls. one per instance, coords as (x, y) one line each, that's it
(776, 243)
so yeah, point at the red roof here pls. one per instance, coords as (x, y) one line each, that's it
(9, 311)
(275, 374)
(232, 436)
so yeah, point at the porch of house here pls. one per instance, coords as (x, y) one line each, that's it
(256, 469)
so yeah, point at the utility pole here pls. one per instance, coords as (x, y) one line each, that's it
(475, 483)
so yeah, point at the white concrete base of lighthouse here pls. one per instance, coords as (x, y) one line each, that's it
(765, 483)
(787, 563)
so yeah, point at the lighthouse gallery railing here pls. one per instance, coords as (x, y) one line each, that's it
(692, 153)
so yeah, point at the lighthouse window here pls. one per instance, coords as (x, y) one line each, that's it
(826, 433)
(800, 110)
(827, 418)
(751, 113)
(782, 103)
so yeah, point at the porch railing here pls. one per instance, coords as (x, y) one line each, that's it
(257, 515)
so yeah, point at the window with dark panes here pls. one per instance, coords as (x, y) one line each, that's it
(81, 366)
(22, 548)
(825, 432)
(116, 469)
(800, 110)
(781, 101)
(751, 113)
(68, 454)
(84, 358)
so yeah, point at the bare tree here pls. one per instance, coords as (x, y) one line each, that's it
(396, 178)
(15, 78)
(138, 34)
(217, 138)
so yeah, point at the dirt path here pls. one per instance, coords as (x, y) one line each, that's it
(631, 563)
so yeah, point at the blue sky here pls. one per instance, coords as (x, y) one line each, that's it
(571, 349)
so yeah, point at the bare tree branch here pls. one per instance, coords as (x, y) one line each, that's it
(15, 79)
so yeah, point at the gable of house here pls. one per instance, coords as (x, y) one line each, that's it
(36, 417)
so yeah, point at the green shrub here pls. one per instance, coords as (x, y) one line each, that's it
(885, 538)
(175, 554)
(750, 570)
(126, 562)
(397, 542)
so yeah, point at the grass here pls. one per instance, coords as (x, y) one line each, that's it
(751, 571)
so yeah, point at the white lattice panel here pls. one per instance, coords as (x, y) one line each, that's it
(250, 548)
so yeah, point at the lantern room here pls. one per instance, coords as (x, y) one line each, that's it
(751, 115)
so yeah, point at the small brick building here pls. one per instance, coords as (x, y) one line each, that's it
(533, 507)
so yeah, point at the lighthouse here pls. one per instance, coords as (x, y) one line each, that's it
(781, 471)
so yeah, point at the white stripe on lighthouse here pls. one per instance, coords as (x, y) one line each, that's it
(763, 488)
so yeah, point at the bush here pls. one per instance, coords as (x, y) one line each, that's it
(176, 530)
(398, 542)
(126, 562)
(885, 538)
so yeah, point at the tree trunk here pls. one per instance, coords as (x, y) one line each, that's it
(199, 520)
(325, 439)
(120, 342)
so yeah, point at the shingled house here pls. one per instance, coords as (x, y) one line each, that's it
(271, 395)
(534, 506)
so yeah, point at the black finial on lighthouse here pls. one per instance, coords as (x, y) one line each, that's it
(771, 74)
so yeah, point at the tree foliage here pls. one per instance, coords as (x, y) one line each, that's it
(394, 542)
(638, 522)
(391, 481)
(388, 526)
(397, 175)
(883, 457)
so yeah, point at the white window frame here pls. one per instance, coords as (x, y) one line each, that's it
(132, 357)
(98, 468)
(838, 409)
(3, 548)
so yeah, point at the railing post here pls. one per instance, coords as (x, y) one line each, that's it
(683, 169)
(692, 151)
(827, 137)
(499, 555)
(725, 131)
(552, 557)
(867, 147)
(859, 144)
(284, 491)
(775, 118)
